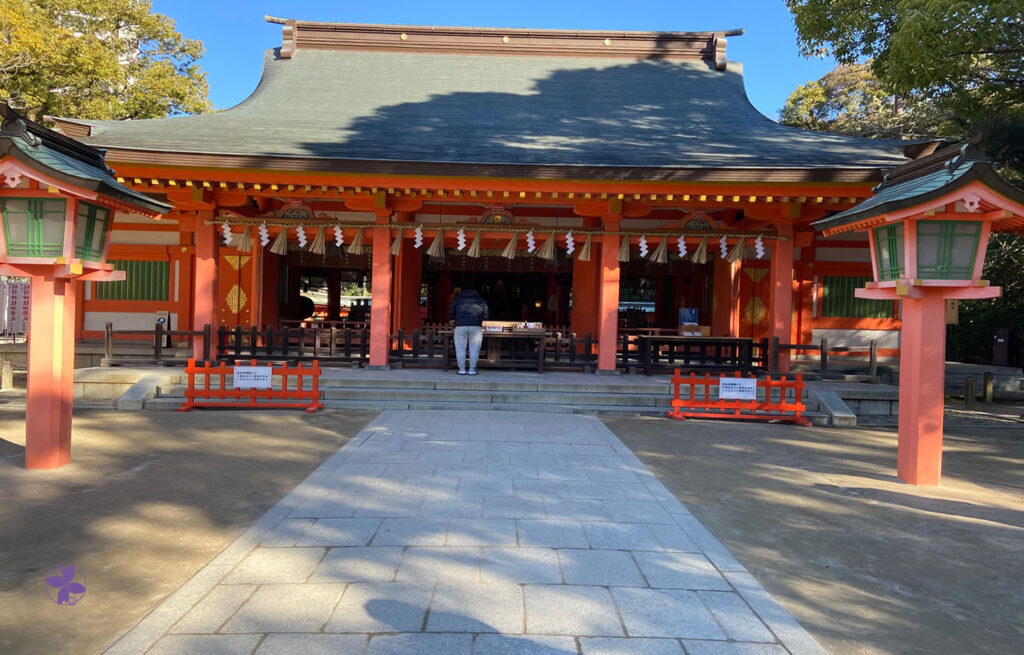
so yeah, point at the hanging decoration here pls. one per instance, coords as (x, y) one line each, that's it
(531, 243)
(660, 254)
(700, 255)
(474, 248)
(643, 246)
(396, 245)
(436, 248)
(570, 243)
(417, 237)
(460, 236)
(301, 232)
(759, 246)
(724, 247)
(318, 246)
(264, 235)
(547, 251)
(356, 247)
(339, 237)
(280, 245)
(624, 249)
(225, 231)
(244, 243)
(510, 250)
(681, 244)
(584, 255)
(738, 252)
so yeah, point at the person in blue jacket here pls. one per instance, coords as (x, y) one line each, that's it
(469, 311)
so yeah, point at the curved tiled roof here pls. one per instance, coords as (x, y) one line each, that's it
(450, 107)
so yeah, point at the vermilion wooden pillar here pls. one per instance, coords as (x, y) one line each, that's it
(380, 296)
(408, 275)
(608, 302)
(51, 364)
(782, 291)
(204, 297)
(583, 319)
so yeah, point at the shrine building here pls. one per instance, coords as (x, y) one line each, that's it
(596, 180)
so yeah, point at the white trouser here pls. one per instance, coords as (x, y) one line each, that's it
(473, 336)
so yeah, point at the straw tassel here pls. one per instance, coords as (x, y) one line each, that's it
(396, 245)
(356, 247)
(660, 254)
(584, 255)
(700, 255)
(243, 242)
(510, 250)
(738, 251)
(547, 251)
(280, 245)
(436, 248)
(624, 249)
(474, 248)
(318, 246)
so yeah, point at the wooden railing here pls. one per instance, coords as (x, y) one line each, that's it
(161, 340)
(287, 344)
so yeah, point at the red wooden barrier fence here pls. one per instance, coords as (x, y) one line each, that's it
(773, 407)
(215, 392)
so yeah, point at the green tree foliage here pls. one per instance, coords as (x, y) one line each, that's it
(850, 100)
(102, 59)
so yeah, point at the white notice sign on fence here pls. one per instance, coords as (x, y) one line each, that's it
(737, 388)
(252, 377)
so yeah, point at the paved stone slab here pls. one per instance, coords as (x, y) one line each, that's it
(305, 644)
(726, 648)
(340, 532)
(481, 532)
(552, 534)
(571, 610)
(372, 564)
(621, 536)
(735, 617)
(276, 565)
(607, 568)
(206, 645)
(520, 565)
(631, 646)
(286, 608)
(381, 607)
(669, 613)
(638, 511)
(527, 645)
(477, 608)
(211, 612)
(449, 564)
(411, 532)
(287, 533)
(680, 571)
(577, 509)
(405, 644)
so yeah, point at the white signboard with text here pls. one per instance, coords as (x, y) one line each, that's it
(737, 388)
(252, 377)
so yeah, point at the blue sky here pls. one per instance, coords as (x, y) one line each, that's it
(235, 33)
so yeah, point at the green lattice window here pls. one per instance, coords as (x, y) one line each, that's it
(838, 301)
(34, 227)
(946, 249)
(889, 246)
(147, 280)
(92, 227)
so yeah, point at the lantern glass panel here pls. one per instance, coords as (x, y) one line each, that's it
(946, 249)
(92, 229)
(34, 227)
(889, 250)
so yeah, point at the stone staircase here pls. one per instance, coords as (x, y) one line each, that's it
(549, 392)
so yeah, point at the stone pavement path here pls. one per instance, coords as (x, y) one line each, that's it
(474, 533)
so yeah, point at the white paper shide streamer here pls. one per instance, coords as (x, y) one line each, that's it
(759, 246)
(531, 244)
(301, 233)
(225, 231)
(681, 243)
(724, 247)
(339, 236)
(417, 237)
(570, 243)
(461, 237)
(643, 246)
(264, 235)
